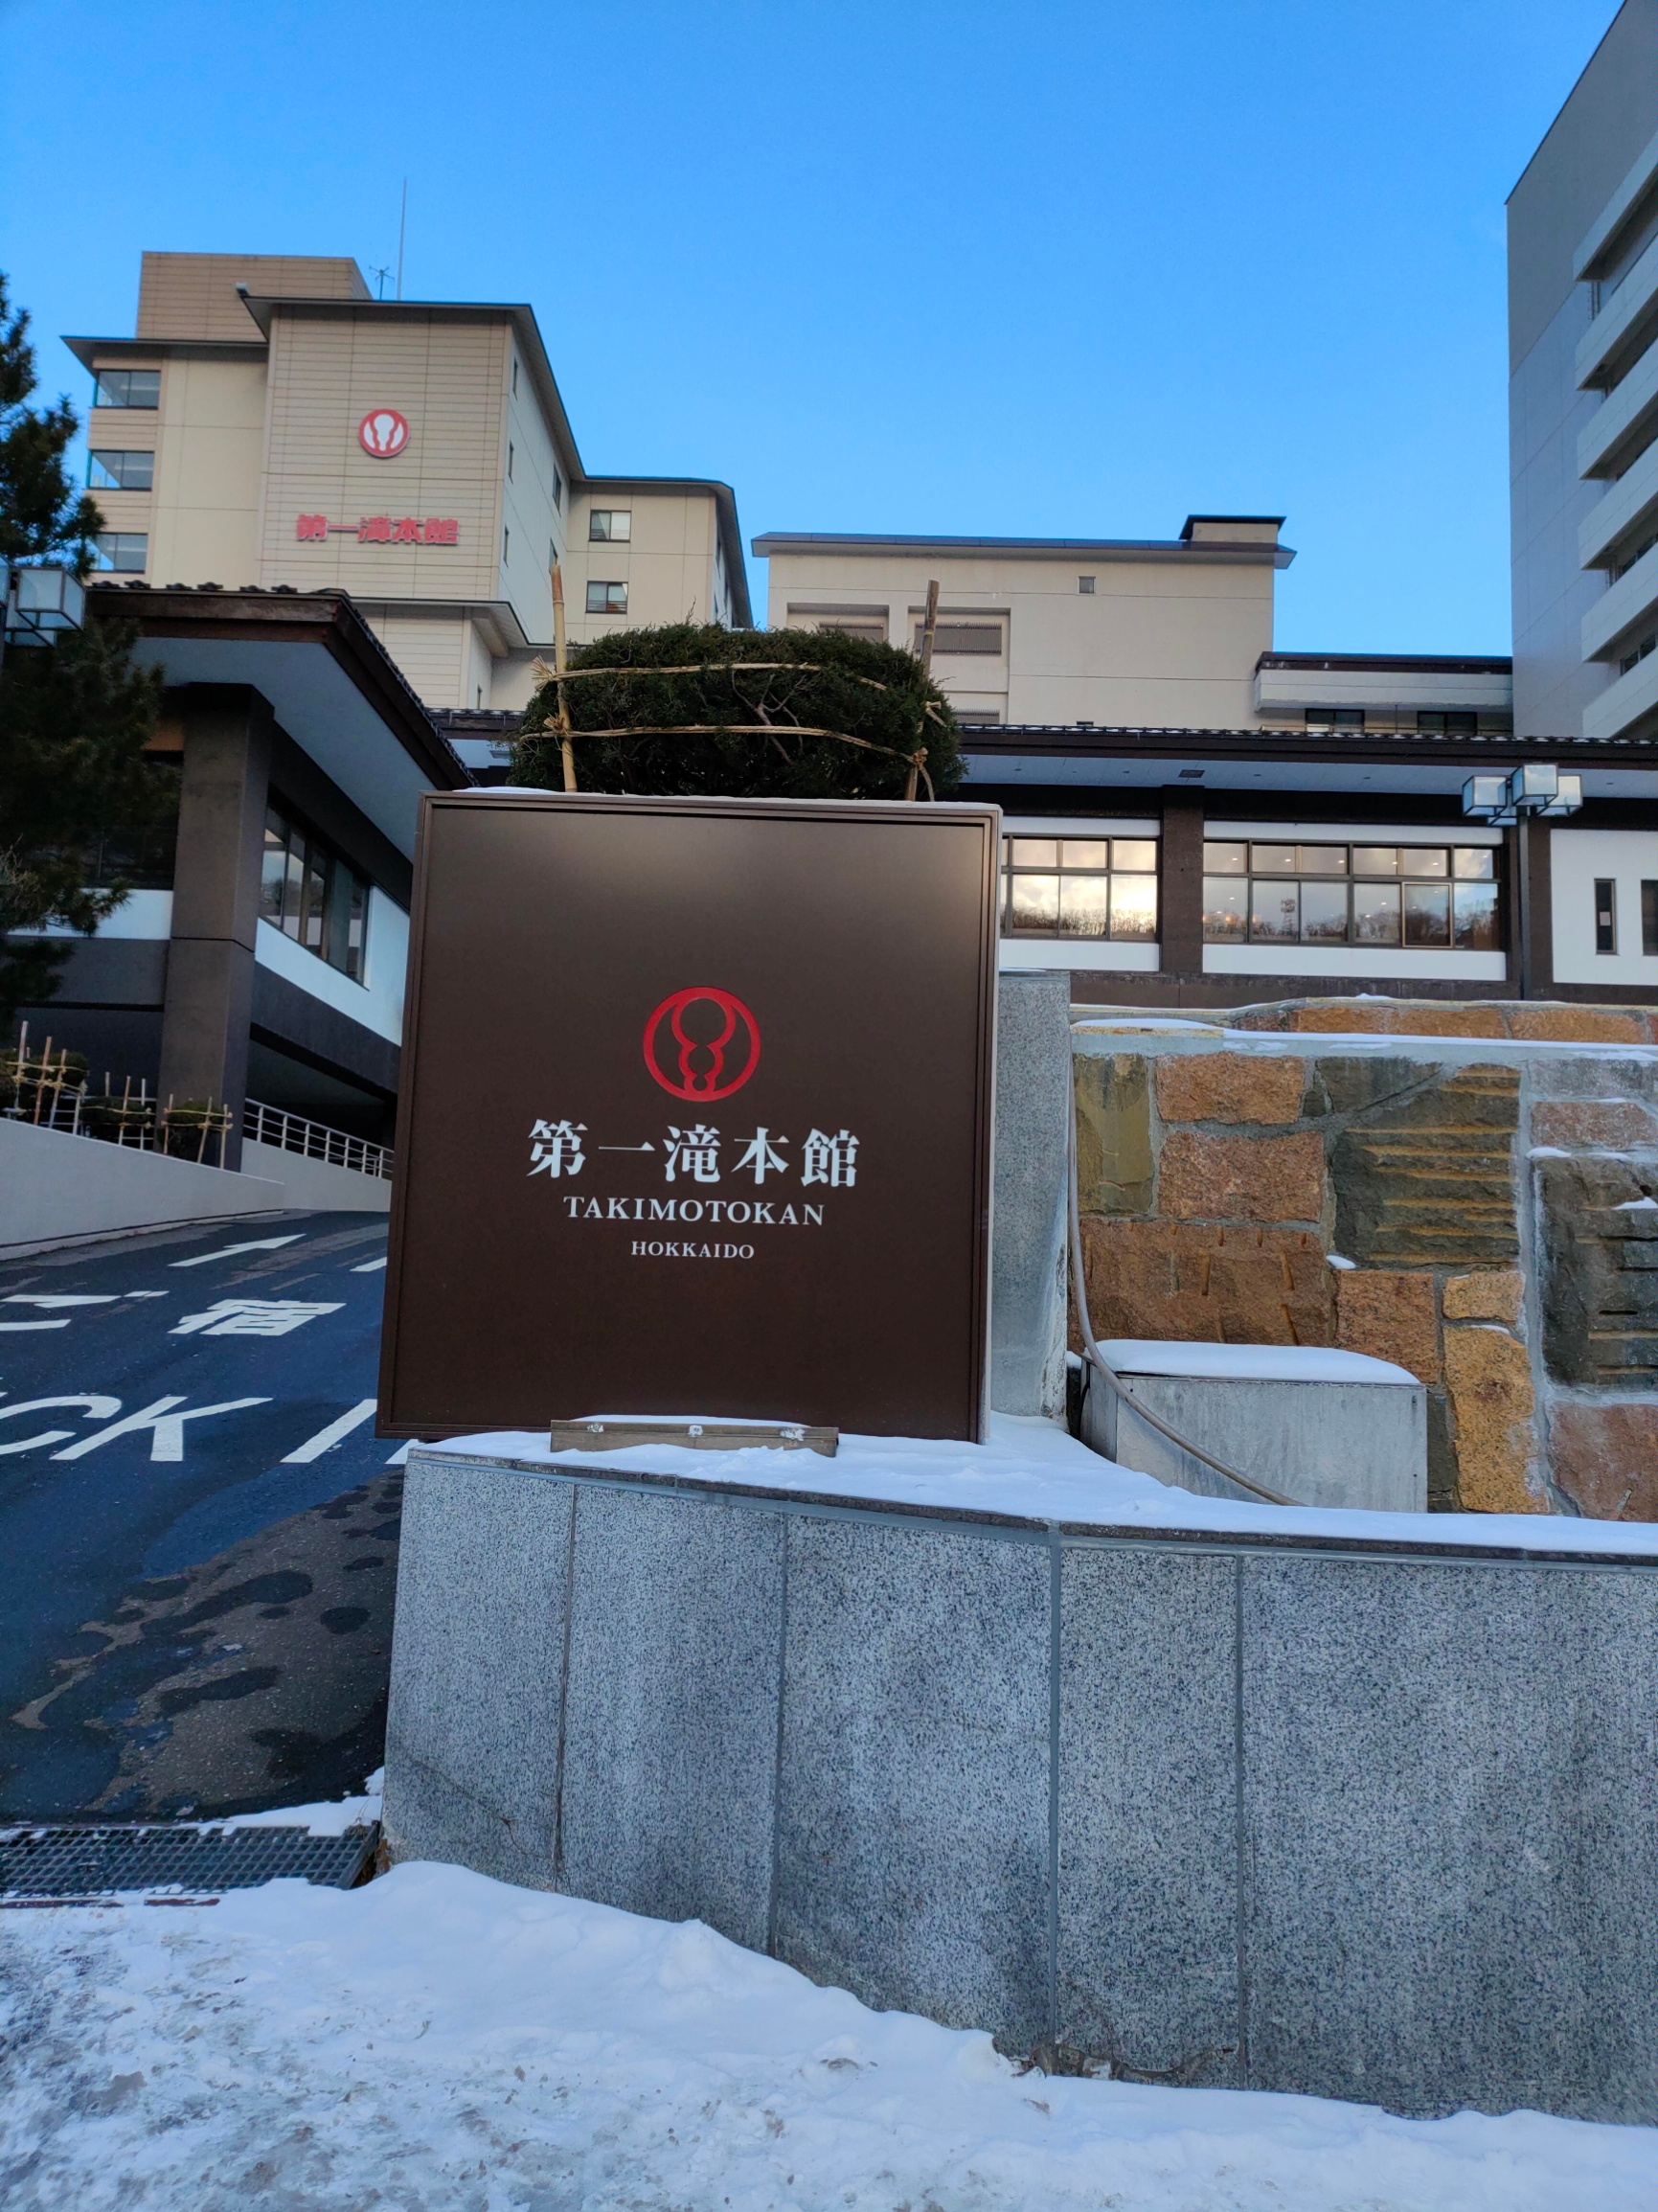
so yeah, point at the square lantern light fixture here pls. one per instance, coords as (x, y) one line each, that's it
(42, 604)
(1539, 790)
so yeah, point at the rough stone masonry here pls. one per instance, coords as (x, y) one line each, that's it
(1471, 1192)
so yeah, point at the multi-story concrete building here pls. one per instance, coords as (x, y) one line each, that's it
(272, 424)
(1118, 633)
(1194, 817)
(1583, 400)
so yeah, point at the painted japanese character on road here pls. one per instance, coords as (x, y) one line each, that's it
(252, 1317)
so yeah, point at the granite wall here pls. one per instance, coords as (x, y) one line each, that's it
(1352, 1818)
(1478, 1202)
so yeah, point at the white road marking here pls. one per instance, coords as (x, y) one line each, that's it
(169, 1426)
(148, 1293)
(230, 1251)
(325, 1439)
(97, 1409)
(369, 1267)
(13, 1325)
(21, 1298)
(253, 1318)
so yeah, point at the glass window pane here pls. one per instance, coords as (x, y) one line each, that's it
(1376, 860)
(1084, 909)
(1322, 859)
(1135, 855)
(1476, 918)
(273, 871)
(1035, 851)
(1324, 913)
(1272, 859)
(357, 939)
(1427, 914)
(1223, 899)
(1375, 913)
(316, 898)
(1275, 909)
(1134, 906)
(1221, 860)
(1425, 860)
(294, 887)
(1474, 862)
(1084, 853)
(1034, 904)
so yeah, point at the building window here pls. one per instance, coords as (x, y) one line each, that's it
(606, 598)
(869, 628)
(1080, 887)
(126, 550)
(309, 894)
(1428, 898)
(609, 525)
(514, 376)
(126, 388)
(1086, 586)
(977, 717)
(1335, 718)
(1458, 724)
(1606, 914)
(506, 544)
(1650, 918)
(114, 471)
(984, 637)
(558, 488)
(510, 455)
(1631, 659)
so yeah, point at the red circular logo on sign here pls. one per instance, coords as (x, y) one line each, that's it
(383, 433)
(702, 1045)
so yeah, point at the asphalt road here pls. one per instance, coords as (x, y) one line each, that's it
(198, 1524)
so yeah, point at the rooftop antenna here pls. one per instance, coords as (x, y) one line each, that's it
(376, 271)
(402, 227)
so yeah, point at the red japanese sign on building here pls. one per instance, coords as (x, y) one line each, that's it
(382, 529)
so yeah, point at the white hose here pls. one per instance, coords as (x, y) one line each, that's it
(1097, 1359)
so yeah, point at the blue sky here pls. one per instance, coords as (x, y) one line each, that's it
(1044, 269)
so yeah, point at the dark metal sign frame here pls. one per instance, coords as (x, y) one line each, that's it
(696, 1114)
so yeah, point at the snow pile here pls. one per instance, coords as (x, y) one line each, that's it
(1033, 1469)
(441, 2041)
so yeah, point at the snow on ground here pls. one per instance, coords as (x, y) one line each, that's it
(440, 2042)
(1034, 1470)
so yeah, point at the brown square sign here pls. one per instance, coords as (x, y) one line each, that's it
(696, 1114)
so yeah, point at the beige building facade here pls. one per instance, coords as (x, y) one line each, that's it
(1119, 633)
(272, 424)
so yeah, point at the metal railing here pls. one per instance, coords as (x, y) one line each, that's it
(314, 1140)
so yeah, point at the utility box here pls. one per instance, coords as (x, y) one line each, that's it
(1321, 1427)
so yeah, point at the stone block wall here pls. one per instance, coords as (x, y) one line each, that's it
(1478, 1204)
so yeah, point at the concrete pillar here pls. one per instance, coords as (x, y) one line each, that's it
(1028, 1269)
(1180, 889)
(210, 964)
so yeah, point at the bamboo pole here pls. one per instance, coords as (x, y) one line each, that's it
(566, 749)
(929, 630)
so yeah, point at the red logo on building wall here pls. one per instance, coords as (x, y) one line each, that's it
(383, 434)
(702, 1045)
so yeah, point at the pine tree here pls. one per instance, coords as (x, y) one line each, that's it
(75, 716)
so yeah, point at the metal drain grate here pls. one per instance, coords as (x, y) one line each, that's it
(171, 1865)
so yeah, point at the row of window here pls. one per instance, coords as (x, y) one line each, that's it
(1429, 897)
(309, 894)
(126, 388)
(111, 470)
(1100, 887)
(1434, 722)
(125, 550)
